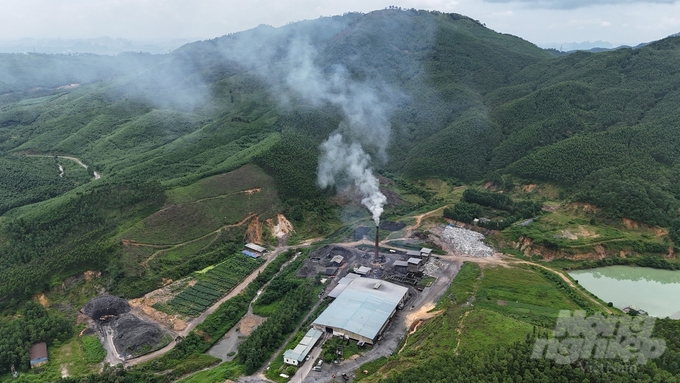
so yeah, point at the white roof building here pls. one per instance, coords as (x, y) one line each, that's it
(297, 355)
(361, 309)
(256, 248)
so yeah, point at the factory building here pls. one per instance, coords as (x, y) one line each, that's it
(413, 253)
(413, 265)
(400, 266)
(361, 309)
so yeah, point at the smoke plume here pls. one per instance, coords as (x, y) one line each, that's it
(293, 66)
(340, 159)
(365, 108)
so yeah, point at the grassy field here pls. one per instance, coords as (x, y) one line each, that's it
(464, 287)
(71, 358)
(226, 370)
(205, 206)
(520, 285)
(483, 307)
(486, 328)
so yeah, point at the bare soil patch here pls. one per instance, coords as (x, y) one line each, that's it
(249, 323)
(254, 231)
(42, 299)
(529, 188)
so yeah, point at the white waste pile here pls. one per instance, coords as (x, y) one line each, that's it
(467, 242)
(431, 268)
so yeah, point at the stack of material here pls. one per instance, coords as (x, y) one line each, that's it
(104, 306)
(467, 242)
(134, 336)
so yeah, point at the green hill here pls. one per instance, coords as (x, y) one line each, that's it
(465, 103)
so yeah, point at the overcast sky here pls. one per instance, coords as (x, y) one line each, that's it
(542, 22)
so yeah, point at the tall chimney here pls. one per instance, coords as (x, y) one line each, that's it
(377, 239)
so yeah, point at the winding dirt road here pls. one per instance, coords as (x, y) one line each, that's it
(74, 159)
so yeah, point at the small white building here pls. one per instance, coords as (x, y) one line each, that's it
(297, 355)
(362, 270)
(425, 253)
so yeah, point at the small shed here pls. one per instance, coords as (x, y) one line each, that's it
(337, 260)
(362, 270)
(634, 308)
(39, 355)
(255, 249)
(413, 264)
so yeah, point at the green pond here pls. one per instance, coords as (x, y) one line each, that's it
(655, 291)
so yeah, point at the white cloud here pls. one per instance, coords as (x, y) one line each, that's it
(508, 13)
(573, 4)
(539, 21)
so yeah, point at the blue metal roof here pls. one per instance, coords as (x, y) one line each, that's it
(248, 253)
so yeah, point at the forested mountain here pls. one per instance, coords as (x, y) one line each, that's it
(462, 102)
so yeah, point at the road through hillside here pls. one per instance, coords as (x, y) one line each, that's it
(74, 159)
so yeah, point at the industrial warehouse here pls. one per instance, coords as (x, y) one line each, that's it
(362, 308)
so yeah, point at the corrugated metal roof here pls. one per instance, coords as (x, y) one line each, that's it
(305, 346)
(38, 351)
(362, 309)
(400, 263)
(342, 284)
(414, 260)
(250, 254)
(425, 250)
(255, 247)
(413, 253)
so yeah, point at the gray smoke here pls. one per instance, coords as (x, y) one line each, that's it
(343, 158)
(293, 68)
(349, 160)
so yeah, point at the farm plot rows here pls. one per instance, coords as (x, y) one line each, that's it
(213, 284)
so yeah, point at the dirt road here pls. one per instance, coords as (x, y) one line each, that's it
(74, 159)
(112, 356)
(198, 320)
(419, 220)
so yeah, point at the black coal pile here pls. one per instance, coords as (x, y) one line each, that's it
(134, 337)
(330, 250)
(105, 307)
(391, 226)
(360, 232)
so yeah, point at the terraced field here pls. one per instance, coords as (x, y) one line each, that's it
(213, 283)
